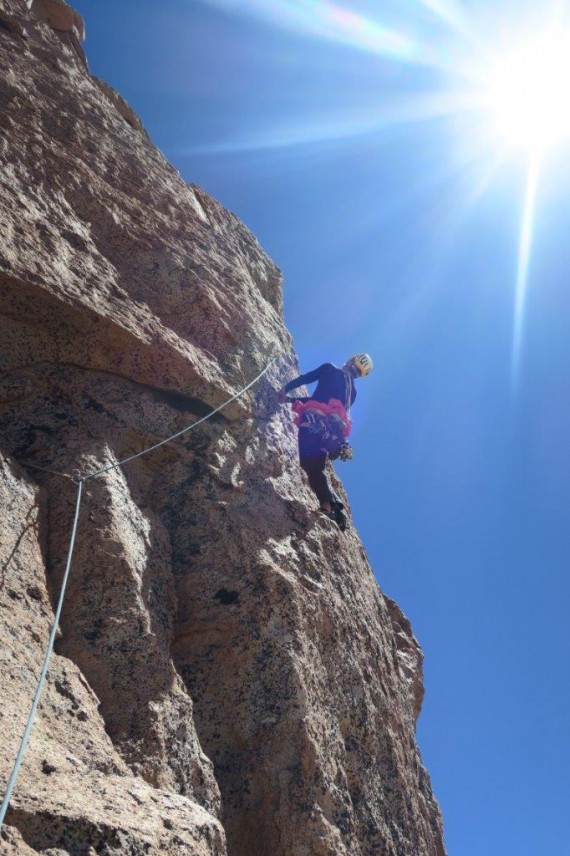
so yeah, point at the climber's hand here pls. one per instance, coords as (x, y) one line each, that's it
(281, 396)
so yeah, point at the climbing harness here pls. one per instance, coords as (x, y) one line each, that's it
(79, 481)
(330, 420)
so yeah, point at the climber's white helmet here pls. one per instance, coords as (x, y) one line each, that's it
(362, 363)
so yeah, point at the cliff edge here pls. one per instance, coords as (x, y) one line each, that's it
(228, 677)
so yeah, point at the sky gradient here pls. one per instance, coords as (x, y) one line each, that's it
(339, 134)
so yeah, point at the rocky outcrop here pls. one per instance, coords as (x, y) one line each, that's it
(228, 677)
(62, 19)
(59, 16)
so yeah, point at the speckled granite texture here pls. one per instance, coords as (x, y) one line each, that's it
(229, 680)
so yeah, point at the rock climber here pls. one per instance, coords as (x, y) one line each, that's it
(324, 423)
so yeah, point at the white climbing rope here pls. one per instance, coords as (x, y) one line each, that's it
(41, 682)
(79, 482)
(184, 430)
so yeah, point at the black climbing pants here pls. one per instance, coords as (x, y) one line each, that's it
(313, 460)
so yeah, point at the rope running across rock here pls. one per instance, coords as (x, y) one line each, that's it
(79, 482)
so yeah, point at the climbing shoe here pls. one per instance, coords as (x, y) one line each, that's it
(337, 514)
(340, 519)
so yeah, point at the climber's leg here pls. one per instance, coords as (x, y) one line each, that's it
(313, 460)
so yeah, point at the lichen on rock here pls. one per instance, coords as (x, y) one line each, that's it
(228, 676)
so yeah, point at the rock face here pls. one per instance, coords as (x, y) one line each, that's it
(228, 678)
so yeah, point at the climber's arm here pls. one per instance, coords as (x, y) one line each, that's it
(303, 380)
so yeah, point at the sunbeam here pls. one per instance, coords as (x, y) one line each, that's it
(328, 129)
(500, 75)
(328, 21)
(448, 11)
(525, 247)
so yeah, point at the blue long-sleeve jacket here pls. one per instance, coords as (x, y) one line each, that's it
(332, 382)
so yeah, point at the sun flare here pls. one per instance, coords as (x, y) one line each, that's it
(527, 93)
(519, 95)
(496, 74)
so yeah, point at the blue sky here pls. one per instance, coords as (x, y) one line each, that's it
(398, 233)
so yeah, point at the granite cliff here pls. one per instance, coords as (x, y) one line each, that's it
(228, 677)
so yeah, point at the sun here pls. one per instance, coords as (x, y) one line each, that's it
(517, 105)
(526, 93)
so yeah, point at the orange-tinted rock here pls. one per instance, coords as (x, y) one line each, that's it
(58, 15)
(218, 635)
